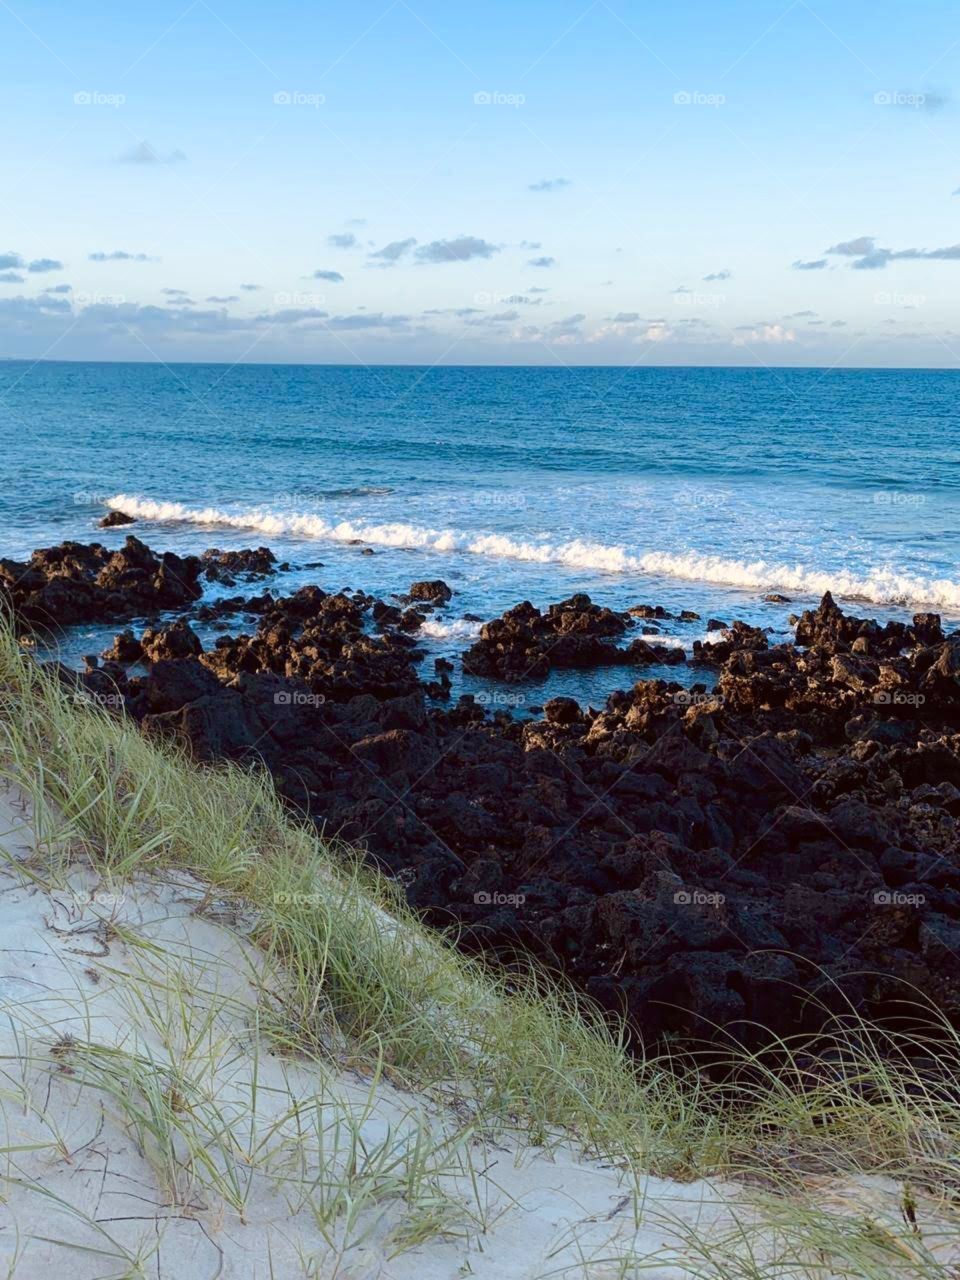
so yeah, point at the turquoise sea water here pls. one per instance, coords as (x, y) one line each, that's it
(697, 489)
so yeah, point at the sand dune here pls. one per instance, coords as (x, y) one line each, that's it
(152, 1125)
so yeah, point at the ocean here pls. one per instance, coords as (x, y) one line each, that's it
(693, 488)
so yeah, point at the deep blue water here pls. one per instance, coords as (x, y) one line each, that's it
(697, 489)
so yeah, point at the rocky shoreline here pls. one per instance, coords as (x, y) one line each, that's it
(777, 840)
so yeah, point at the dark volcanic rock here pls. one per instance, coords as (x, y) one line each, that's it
(320, 639)
(247, 564)
(176, 641)
(436, 591)
(738, 638)
(526, 643)
(126, 649)
(87, 583)
(114, 519)
(706, 860)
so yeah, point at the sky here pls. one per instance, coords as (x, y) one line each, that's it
(756, 182)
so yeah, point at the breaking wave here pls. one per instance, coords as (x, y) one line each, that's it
(459, 629)
(879, 586)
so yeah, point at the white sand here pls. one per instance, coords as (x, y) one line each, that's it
(121, 1016)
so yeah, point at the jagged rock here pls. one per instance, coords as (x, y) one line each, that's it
(525, 643)
(75, 582)
(176, 641)
(248, 564)
(126, 648)
(436, 591)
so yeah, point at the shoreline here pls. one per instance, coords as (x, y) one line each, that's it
(698, 855)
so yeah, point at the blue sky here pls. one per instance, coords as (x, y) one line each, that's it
(558, 183)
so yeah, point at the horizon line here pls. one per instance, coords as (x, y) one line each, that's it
(565, 366)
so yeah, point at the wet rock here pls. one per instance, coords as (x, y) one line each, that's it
(126, 649)
(648, 611)
(527, 643)
(436, 591)
(249, 564)
(561, 710)
(77, 582)
(115, 519)
(176, 641)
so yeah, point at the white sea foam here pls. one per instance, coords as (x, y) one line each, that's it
(459, 629)
(880, 586)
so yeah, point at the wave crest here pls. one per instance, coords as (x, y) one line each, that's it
(879, 586)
